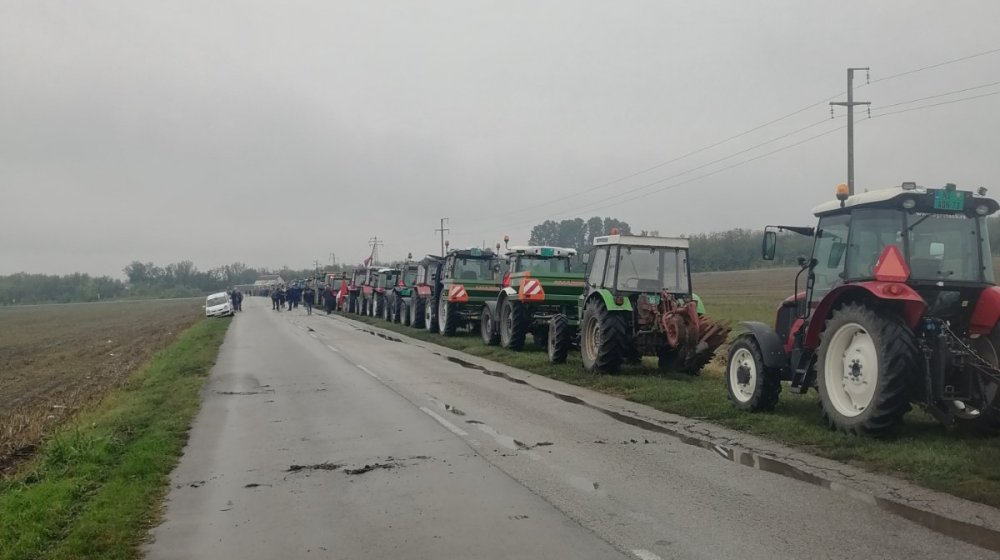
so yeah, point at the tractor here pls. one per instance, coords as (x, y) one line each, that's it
(398, 298)
(468, 281)
(539, 295)
(385, 281)
(897, 306)
(423, 301)
(638, 302)
(355, 295)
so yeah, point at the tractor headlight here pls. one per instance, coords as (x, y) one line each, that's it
(982, 209)
(909, 203)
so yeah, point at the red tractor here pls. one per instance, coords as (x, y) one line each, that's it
(898, 306)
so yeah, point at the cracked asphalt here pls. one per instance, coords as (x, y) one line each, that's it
(318, 440)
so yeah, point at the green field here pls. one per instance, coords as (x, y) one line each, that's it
(961, 462)
(94, 487)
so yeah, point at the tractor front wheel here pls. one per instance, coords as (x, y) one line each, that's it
(430, 319)
(751, 385)
(447, 318)
(559, 339)
(488, 329)
(513, 325)
(864, 358)
(397, 309)
(988, 348)
(604, 338)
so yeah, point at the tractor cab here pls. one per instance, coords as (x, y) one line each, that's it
(630, 266)
(387, 278)
(900, 284)
(638, 289)
(539, 260)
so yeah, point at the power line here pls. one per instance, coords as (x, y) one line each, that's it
(963, 90)
(932, 66)
(577, 211)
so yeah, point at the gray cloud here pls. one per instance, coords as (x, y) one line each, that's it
(277, 133)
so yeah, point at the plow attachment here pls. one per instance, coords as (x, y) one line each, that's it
(691, 339)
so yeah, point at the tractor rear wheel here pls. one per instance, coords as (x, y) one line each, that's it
(416, 312)
(559, 339)
(488, 329)
(430, 319)
(404, 314)
(513, 325)
(751, 385)
(352, 301)
(605, 337)
(864, 359)
(447, 318)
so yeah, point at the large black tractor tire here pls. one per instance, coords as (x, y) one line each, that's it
(352, 302)
(988, 417)
(605, 337)
(397, 309)
(863, 363)
(749, 383)
(447, 318)
(404, 314)
(430, 316)
(560, 339)
(416, 312)
(488, 327)
(363, 306)
(513, 325)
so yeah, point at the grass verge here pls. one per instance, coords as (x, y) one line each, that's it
(95, 486)
(963, 463)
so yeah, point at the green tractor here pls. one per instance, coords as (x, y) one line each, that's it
(538, 295)
(638, 302)
(398, 299)
(468, 281)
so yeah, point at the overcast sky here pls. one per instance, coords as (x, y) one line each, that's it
(276, 133)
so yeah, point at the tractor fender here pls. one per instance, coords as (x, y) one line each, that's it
(609, 300)
(912, 304)
(508, 292)
(987, 311)
(771, 348)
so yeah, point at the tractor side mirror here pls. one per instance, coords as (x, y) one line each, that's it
(586, 258)
(769, 245)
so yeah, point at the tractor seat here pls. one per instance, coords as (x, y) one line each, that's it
(469, 275)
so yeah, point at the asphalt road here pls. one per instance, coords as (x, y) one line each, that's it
(319, 439)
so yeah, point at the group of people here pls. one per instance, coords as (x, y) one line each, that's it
(236, 297)
(292, 296)
(282, 296)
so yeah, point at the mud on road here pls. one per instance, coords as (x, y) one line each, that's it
(55, 359)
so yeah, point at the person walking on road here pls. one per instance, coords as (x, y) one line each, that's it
(282, 297)
(274, 299)
(329, 299)
(308, 297)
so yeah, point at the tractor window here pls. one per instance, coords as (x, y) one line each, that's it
(473, 269)
(651, 269)
(596, 268)
(871, 230)
(542, 265)
(828, 250)
(944, 247)
(410, 276)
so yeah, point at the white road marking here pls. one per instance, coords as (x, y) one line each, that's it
(312, 335)
(332, 348)
(368, 371)
(451, 427)
(645, 555)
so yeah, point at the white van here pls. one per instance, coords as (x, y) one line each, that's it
(218, 305)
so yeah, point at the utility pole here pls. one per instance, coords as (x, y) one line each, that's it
(850, 103)
(442, 229)
(375, 243)
(333, 259)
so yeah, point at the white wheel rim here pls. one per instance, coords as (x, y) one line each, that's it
(851, 370)
(742, 358)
